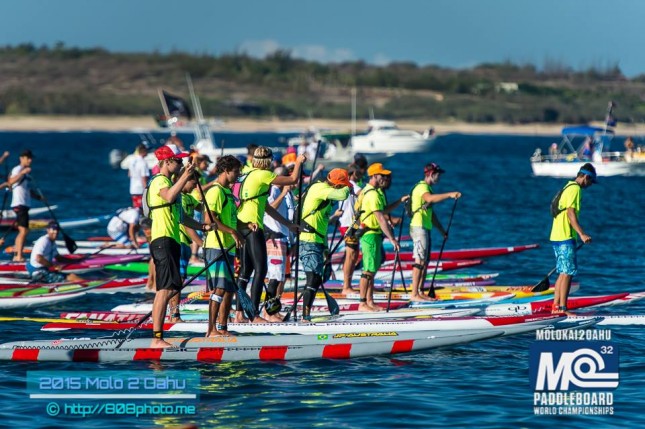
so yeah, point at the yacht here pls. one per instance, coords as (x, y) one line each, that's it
(386, 137)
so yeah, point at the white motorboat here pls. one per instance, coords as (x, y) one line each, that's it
(582, 144)
(386, 137)
(336, 150)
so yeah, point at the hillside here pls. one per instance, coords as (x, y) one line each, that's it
(71, 81)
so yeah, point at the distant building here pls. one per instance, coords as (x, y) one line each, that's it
(507, 87)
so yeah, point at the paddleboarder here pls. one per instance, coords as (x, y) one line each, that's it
(188, 236)
(221, 203)
(139, 173)
(166, 213)
(565, 230)
(316, 210)
(42, 266)
(253, 195)
(124, 227)
(20, 182)
(371, 208)
(423, 218)
(277, 241)
(346, 219)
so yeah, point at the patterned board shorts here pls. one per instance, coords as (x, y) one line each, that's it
(312, 257)
(566, 261)
(43, 275)
(218, 274)
(277, 259)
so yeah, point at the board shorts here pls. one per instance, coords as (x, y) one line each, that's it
(421, 243)
(22, 216)
(43, 275)
(350, 241)
(166, 252)
(312, 257)
(566, 261)
(120, 237)
(218, 276)
(276, 259)
(372, 248)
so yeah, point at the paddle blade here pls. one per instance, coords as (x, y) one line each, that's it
(245, 301)
(543, 285)
(332, 305)
(70, 244)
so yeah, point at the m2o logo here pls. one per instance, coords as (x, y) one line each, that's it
(573, 365)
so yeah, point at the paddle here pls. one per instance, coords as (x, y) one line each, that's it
(443, 244)
(397, 260)
(242, 298)
(544, 284)
(70, 244)
(186, 283)
(6, 193)
(298, 215)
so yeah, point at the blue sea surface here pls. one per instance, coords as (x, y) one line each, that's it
(483, 384)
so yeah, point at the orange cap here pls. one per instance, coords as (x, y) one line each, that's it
(338, 176)
(377, 168)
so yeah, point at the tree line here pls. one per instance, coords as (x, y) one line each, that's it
(78, 81)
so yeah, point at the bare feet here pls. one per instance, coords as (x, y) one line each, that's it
(259, 319)
(239, 318)
(364, 307)
(224, 333)
(159, 344)
(421, 298)
(347, 291)
(374, 306)
(176, 320)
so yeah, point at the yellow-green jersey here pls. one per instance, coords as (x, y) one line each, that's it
(317, 208)
(221, 203)
(368, 203)
(247, 167)
(561, 229)
(254, 192)
(422, 215)
(165, 216)
(188, 204)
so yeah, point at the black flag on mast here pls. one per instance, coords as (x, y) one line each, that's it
(176, 106)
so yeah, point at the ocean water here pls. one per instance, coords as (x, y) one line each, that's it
(484, 384)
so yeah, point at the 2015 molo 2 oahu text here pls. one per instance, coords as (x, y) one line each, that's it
(111, 383)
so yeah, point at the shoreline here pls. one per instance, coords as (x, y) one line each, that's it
(146, 123)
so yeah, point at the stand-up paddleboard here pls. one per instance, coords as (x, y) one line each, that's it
(196, 315)
(255, 347)
(476, 253)
(28, 300)
(545, 306)
(510, 325)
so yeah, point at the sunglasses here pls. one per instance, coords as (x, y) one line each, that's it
(177, 160)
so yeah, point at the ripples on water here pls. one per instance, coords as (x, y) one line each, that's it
(483, 384)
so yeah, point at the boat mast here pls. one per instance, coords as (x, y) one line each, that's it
(353, 111)
(164, 106)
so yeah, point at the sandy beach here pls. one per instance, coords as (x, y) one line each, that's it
(141, 123)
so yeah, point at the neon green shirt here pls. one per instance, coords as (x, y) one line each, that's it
(221, 202)
(421, 217)
(257, 182)
(318, 217)
(371, 202)
(188, 205)
(561, 229)
(165, 220)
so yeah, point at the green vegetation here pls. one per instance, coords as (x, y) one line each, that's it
(74, 81)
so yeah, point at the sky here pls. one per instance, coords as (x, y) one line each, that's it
(449, 33)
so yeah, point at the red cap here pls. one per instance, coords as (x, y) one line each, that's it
(169, 151)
